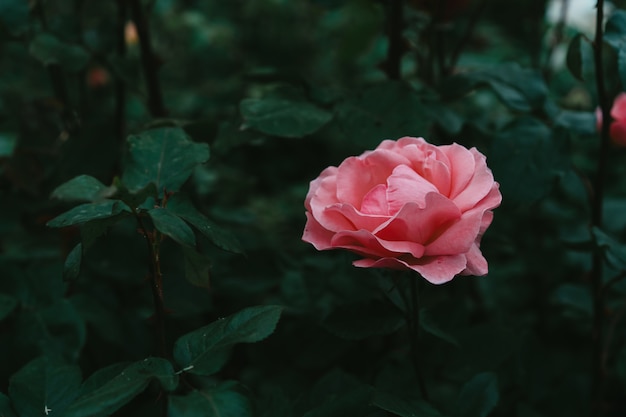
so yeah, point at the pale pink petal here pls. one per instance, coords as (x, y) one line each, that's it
(390, 263)
(440, 269)
(356, 176)
(375, 202)
(416, 224)
(357, 220)
(315, 234)
(366, 244)
(462, 164)
(479, 186)
(327, 192)
(458, 237)
(476, 262)
(407, 186)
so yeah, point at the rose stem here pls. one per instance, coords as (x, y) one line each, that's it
(596, 220)
(395, 27)
(412, 316)
(156, 284)
(148, 60)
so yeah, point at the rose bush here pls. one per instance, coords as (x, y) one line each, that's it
(618, 126)
(406, 205)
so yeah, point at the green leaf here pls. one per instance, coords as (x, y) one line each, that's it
(44, 384)
(574, 58)
(205, 350)
(93, 229)
(614, 251)
(526, 160)
(71, 267)
(173, 226)
(615, 29)
(518, 88)
(282, 117)
(14, 16)
(384, 111)
(49, 50)
(197, 268)
(115, 387)
(220, 401)
(182, 207)
(402, 407)
(7, 145)
(88, 211)
(581, 122)
(164, 156)
(361, 320)
(81, 188)
(133, 199)
(430, 325)
(479, 395)
(576, 298)
(5, 407)
(7, 305)
(621, 66)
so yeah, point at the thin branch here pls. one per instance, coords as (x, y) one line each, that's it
(456, 54)
(396, 48)
(148, 60)
(596, 220)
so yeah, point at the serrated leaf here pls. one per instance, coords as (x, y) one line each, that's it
(429, 324)
(88, 211)
(164, 156)
(182, 207)
(44, 384)
(173, 226)
(108, 395)
(205, 350)
(574, 58)
(81, 188)
(197, 268)
(7, 305)
(282, 117)
(403, 407)
(71, 267)
(361, 320)
(50, 50)
(219, 401)
(479, 396)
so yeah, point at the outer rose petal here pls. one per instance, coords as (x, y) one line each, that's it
(315, 234)
(436, 270)
(476, 262)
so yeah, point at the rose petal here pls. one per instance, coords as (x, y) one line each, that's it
(357, 219)
(618, 111)
(440, 269)
(462, 164)
(478, 187)
(367, 244)
(407, 186)
(476, 262)
(458, 237)
(415, 224)
(315, 234)
(375, 202)
(356, 176)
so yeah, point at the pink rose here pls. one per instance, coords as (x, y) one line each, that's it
(617, 131)
(406, 205)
